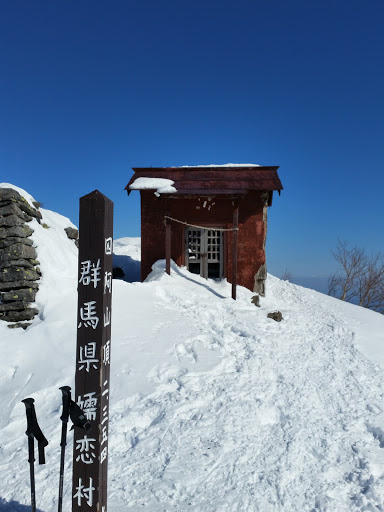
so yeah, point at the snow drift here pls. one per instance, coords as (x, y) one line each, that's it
(214, 407)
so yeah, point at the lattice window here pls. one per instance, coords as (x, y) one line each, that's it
(204, 252)
(214, 245)
(194, 244)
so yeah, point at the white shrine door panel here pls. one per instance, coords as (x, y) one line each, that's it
(204, 252)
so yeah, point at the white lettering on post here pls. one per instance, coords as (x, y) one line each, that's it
(107, 317)
(108, 282)
(90, 273)
(103, 454)
(85, 446)
(88, 403)
(106, 352)
(108, 245)
(88, 315)
(85, 493)
(105, 415)
(88, 357)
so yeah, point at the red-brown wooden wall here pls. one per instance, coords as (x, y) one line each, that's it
(251, 254)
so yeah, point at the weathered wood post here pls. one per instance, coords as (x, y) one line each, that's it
(235, 235)
(168, 242)
(90, 450)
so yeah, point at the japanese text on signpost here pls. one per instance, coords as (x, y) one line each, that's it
(93, 353)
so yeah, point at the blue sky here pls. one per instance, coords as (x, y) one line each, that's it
(90, 89)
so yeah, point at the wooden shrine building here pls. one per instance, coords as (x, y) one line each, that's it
(212, 219)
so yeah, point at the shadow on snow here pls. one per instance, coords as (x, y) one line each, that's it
(129, 266)
(206, 286)
(15, 506)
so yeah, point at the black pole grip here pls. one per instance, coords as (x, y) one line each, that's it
(33, 429)
(29, 407)
(66, 391)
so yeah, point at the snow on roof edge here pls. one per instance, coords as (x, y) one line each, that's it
(215, 165)
(160, 185)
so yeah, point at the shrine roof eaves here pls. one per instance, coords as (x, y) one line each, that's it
(213, 179)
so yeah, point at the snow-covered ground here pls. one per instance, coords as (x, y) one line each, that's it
(126, 255)
(214, 407)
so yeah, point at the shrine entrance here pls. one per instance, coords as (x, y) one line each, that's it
(204, 252)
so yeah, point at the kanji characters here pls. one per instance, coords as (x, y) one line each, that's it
(106, 352)
(107, 316)
(90, 273)
(85, 446)
(88, 315)
(85, 493)
(88, 357)
(108, 245)
(105, 414)
(108, 282)
(88, 403)
(104, 435)
(103, 454)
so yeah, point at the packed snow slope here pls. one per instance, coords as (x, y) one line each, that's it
(214, 407)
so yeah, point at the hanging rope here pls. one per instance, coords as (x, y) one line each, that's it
(213, 228)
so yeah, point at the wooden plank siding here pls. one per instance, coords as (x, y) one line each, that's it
(208, 196)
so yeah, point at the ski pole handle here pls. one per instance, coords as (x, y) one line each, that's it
(33, 429)
(66, 391)
(29, 408)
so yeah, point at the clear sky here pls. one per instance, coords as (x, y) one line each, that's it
(90, 89)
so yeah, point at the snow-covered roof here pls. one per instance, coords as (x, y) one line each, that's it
(226, 179)
(161, 185)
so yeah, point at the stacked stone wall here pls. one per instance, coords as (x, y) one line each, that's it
(19, 271)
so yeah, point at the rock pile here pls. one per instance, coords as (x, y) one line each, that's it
(276, 315)
(73, 234)
(18, 265)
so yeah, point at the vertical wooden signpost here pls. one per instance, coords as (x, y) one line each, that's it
(93, 352)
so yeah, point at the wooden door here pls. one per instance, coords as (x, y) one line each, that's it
(204, 252)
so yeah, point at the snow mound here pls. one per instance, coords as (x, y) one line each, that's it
(214, 406)
(128, 246)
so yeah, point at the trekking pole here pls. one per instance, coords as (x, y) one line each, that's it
(33, 432)
(78, 418)
(66, 390)
(31, 449)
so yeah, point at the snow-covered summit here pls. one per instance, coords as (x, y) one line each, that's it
(214, 406)
(21, 191)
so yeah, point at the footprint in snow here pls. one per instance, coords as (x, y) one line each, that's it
(183, 352)
(377, 433)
